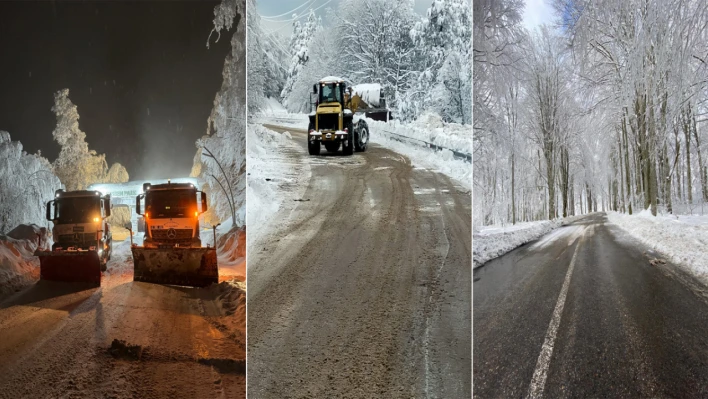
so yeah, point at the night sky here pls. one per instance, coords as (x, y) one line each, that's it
(138, 71)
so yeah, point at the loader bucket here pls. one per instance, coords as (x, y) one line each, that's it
(69, 266)
(194, 267)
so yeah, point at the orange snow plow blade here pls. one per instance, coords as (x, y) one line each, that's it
(193, 267)
(69, 266)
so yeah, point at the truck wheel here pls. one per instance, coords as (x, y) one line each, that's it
(349, 144)
(362, 137)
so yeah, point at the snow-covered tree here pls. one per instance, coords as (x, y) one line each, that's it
(77, 166)
(605, 112)
(116, 174)
(220, 161)
(443, 37)
(375, 44)
(266, 62)
(27, 182)
(299, 44)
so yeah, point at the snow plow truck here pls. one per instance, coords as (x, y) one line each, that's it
(83, 243)
(334, 123)
(172, 251)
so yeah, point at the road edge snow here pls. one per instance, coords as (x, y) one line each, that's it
(682, 244)
(486, 247)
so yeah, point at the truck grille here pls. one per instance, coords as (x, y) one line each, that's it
(328, 122)
(166, 235)
(78, 238)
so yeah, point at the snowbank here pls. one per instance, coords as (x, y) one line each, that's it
(683, 239)
(18, 265)
(230, 249)
(428, 128)
(272, 176)
(274, 112)
(492, 242)
(231, 299)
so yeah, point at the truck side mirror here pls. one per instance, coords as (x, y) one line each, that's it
(204, 202)
(137, 205)
(49, 210)
(314, 88)
(107, 207)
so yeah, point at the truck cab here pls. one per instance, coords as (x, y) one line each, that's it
(171, 214)
(80, 224)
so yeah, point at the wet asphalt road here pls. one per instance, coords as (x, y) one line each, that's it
(628, 328)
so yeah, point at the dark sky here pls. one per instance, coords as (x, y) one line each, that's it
(138, 71)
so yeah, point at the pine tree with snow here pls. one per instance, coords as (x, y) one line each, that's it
(299, 43)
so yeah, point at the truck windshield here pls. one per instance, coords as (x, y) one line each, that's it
(78, 209)
(171, 203)
(330, 92)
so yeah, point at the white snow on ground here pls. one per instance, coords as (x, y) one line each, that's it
(492, 242)
(269, 172)
(121, 263)
(683, 239)
(284, 119)
(271, 106)
(18, 265)
(431, 129)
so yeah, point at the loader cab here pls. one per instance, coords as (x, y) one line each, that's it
(331, 92)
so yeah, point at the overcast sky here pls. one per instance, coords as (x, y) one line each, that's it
(537, 12)
(139, 72)
(273, 8)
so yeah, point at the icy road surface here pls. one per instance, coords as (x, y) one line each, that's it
(57, 340)
(363, 287)
(588, 312)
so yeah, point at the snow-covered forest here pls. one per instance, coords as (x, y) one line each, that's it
(423, 63)
(605, 109)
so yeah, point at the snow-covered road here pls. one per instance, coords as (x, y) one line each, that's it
(362, 286)
(122, 340)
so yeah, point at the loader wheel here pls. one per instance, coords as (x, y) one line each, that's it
(332, 146)
(313, 148)
(362, 137)
(349, 147)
